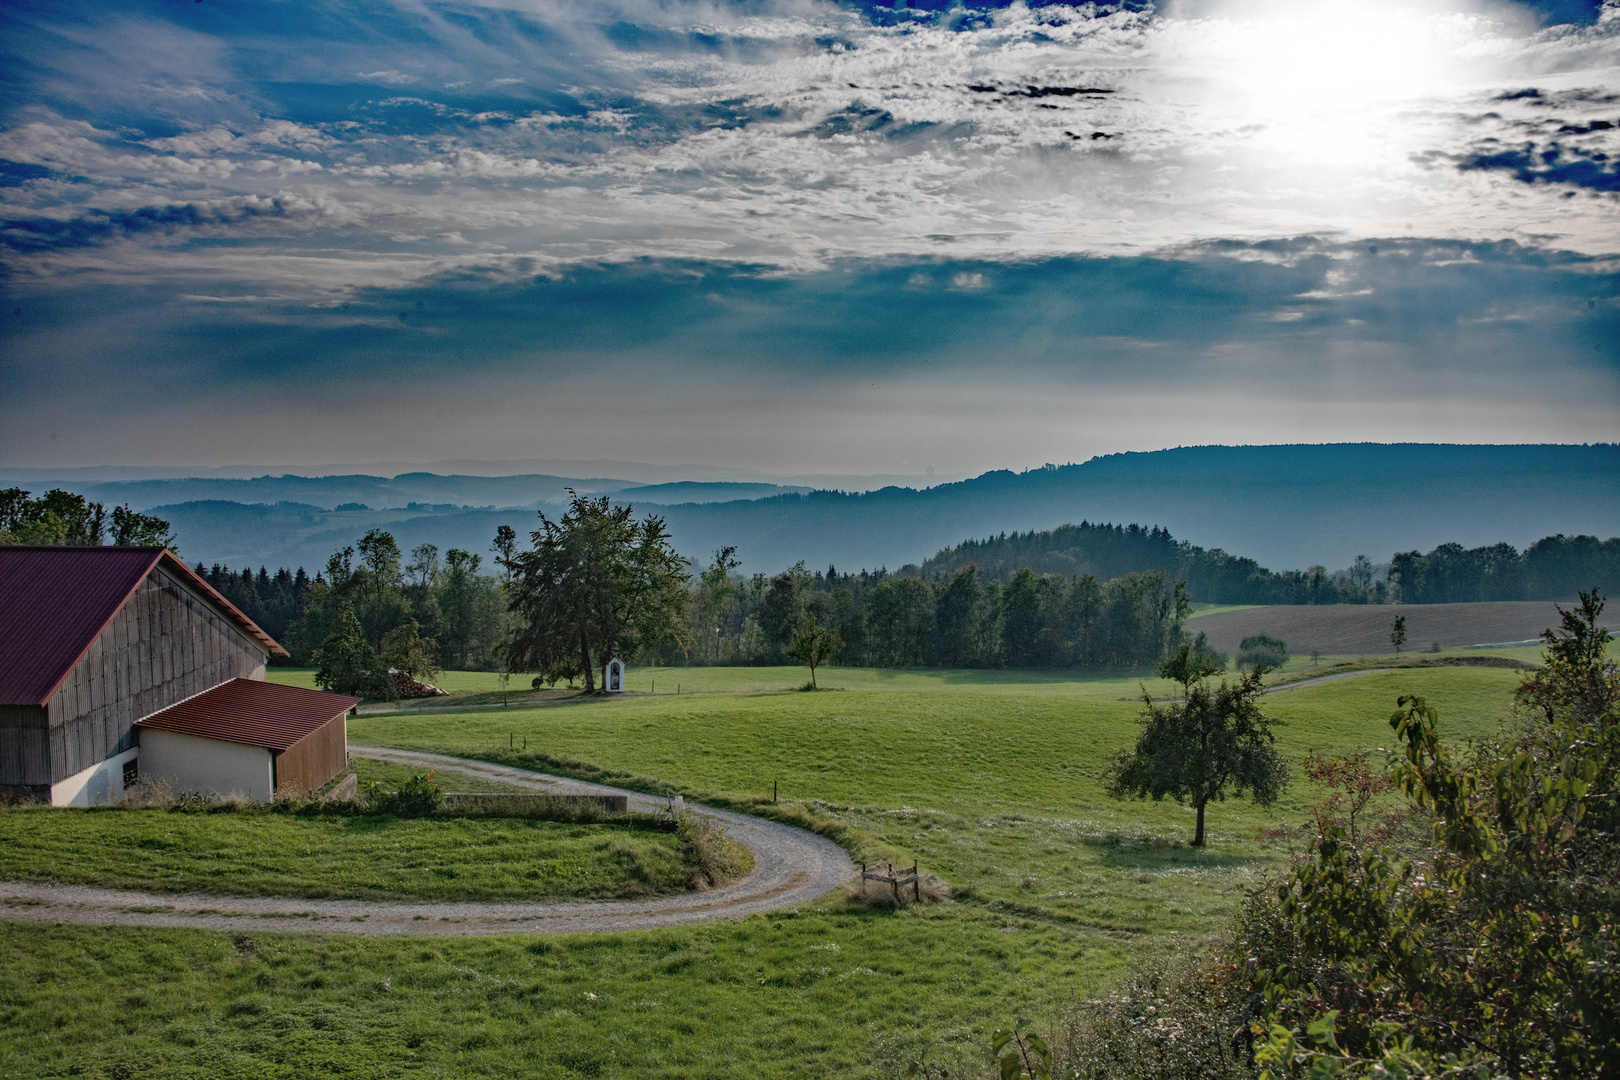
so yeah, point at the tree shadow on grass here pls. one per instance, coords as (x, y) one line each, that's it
(1150, 854)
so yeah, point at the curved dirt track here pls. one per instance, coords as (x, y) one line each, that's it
(791, 866)
(1320, 679)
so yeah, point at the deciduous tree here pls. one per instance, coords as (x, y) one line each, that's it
(595, 583)
(347, 664)
(812, 647)
(1216, 742)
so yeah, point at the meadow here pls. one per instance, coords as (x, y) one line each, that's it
(990, 779)
(249, 853)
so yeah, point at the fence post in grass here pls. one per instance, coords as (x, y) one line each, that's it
(525, 742)
(916, 882)
(773, 791)
(511, 740)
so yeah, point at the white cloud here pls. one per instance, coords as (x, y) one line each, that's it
(390, 77)
(811, 135)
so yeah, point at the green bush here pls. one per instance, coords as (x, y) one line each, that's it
(1490, 948)
(1262, 650)
(417, 797)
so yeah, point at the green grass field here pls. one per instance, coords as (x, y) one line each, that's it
(989, 779)
(391, 775)
(378, 858)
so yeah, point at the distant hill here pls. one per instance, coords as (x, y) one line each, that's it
(1287, 507)
(694, 491)
(376, 492)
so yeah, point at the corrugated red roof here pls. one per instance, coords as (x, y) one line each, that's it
(252, 713)
(55, 602)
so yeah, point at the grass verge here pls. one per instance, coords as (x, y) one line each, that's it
(352, 857)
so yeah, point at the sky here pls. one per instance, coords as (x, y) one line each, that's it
(801, 237)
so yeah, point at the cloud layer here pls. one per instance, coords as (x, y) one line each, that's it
(1085, 227)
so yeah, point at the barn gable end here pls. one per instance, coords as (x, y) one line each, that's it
(164, 645)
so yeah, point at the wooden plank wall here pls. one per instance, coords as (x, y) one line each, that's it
(313, 760)
(25, 759)
(165, 645)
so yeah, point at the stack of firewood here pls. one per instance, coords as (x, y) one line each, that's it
(407, 687)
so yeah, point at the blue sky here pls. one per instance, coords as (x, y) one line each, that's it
(802, 237)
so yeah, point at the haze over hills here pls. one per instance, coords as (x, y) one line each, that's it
(625, 473)
(1286, 506)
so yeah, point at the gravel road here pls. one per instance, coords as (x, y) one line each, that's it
(1326, 678)
(791, 866)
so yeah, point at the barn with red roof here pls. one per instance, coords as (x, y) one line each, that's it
(121, 662)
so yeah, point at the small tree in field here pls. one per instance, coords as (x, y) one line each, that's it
(1397, 633)
(347, 664)
(1187, 666)
(1216, 742)
(405, 649)
(813, 647)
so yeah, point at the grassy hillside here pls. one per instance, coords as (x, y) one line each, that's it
(988, 779)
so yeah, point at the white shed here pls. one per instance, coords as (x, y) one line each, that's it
(254, 739)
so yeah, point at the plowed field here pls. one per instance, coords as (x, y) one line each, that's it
(1337, 629)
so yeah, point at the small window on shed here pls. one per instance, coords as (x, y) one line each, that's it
(132, 772)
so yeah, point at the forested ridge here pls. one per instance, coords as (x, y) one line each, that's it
(1086, 595)
(1553, 568)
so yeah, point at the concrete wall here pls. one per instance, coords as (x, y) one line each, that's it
(100, 784)
(206, 766)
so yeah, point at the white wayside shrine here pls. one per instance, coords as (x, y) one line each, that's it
(613, 676)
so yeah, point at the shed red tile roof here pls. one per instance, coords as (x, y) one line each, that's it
(252, 713)
(55, 602)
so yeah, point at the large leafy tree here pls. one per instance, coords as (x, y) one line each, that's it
(1197, 751)
(595, 583)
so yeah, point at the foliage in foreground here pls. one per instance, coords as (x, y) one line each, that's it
(1485, 950)
(1492, 952)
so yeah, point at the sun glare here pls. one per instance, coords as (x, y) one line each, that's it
(1322, 82)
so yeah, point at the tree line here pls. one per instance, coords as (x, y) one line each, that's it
(1107, 551)
(891, 620)
(61, 517)
(596, 582)
(1553, 568)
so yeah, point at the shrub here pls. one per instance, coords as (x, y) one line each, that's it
(1169, 1021)
(714, 857)
(417, 797)
(1262, 650)
(1490, 948)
